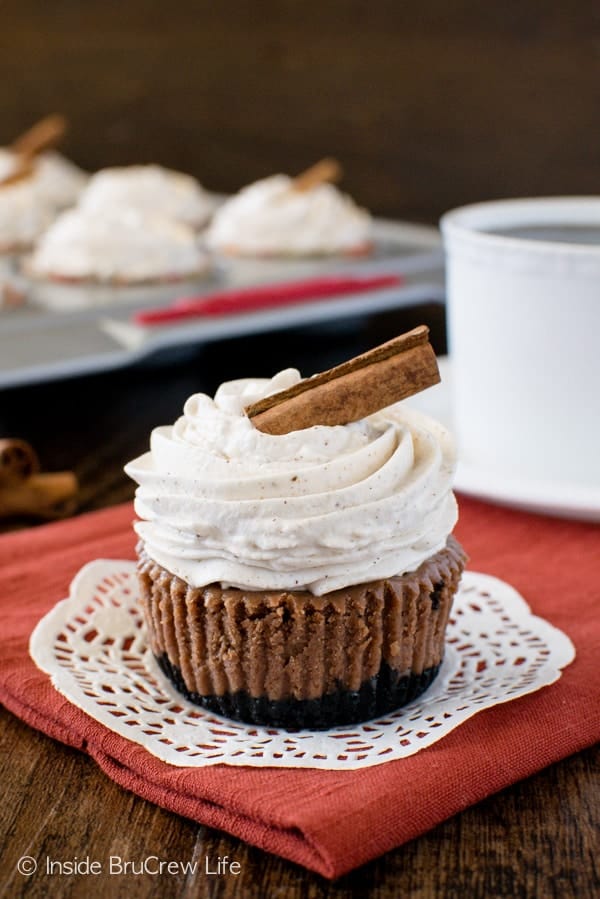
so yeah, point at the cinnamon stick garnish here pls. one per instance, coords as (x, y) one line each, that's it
(350, 391)
(46, 133)
(326, 170)
(23, 170)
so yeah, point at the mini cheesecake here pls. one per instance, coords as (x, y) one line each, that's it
(272, 219)
(302, 579)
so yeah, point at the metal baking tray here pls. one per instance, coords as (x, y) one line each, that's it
(40, 344)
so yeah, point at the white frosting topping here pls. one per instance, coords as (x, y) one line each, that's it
(59, 180)
(150, 189)
(317, 509)
(23, 215)
(8, 163)
(28, 206)
(126, 246)
(270, 217)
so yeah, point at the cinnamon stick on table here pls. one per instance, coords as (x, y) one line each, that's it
(357, 388)
(18, 461)
(43, 495)
(24, 491)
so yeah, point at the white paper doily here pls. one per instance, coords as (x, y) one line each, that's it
(94, 648)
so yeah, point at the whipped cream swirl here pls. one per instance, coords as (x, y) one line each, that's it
(272, 218)
(317, 509)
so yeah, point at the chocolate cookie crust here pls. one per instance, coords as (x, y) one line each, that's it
(377, 696)
(293, 659)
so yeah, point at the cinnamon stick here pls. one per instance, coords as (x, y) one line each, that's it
(46, 133)
(350, 391)
(326, 170)
(18, 461)
(43, 495)
(23, 170)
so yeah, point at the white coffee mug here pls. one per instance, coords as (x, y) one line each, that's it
(523, 293)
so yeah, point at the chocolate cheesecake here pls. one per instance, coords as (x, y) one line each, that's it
(292, 659)
(301, 577)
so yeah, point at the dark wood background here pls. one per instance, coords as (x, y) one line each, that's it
(429, 105)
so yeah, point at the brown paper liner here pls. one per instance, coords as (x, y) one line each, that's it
(234, 650)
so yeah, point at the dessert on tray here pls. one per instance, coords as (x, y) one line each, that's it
(123, 247)
(29, 204)
(149, 189)
(296, 560)
(281, 217)
(131, 226)
(23, 215)
(35, 184)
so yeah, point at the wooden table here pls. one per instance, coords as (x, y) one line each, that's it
(536, 839)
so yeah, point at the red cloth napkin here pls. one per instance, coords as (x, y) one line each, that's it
(331, 821)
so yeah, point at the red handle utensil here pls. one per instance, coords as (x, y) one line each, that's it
(266, 296)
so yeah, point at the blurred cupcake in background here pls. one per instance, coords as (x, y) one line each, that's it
(36, 183)
(149, 189)
(282, 217)
(118, 249)
(24, 214)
